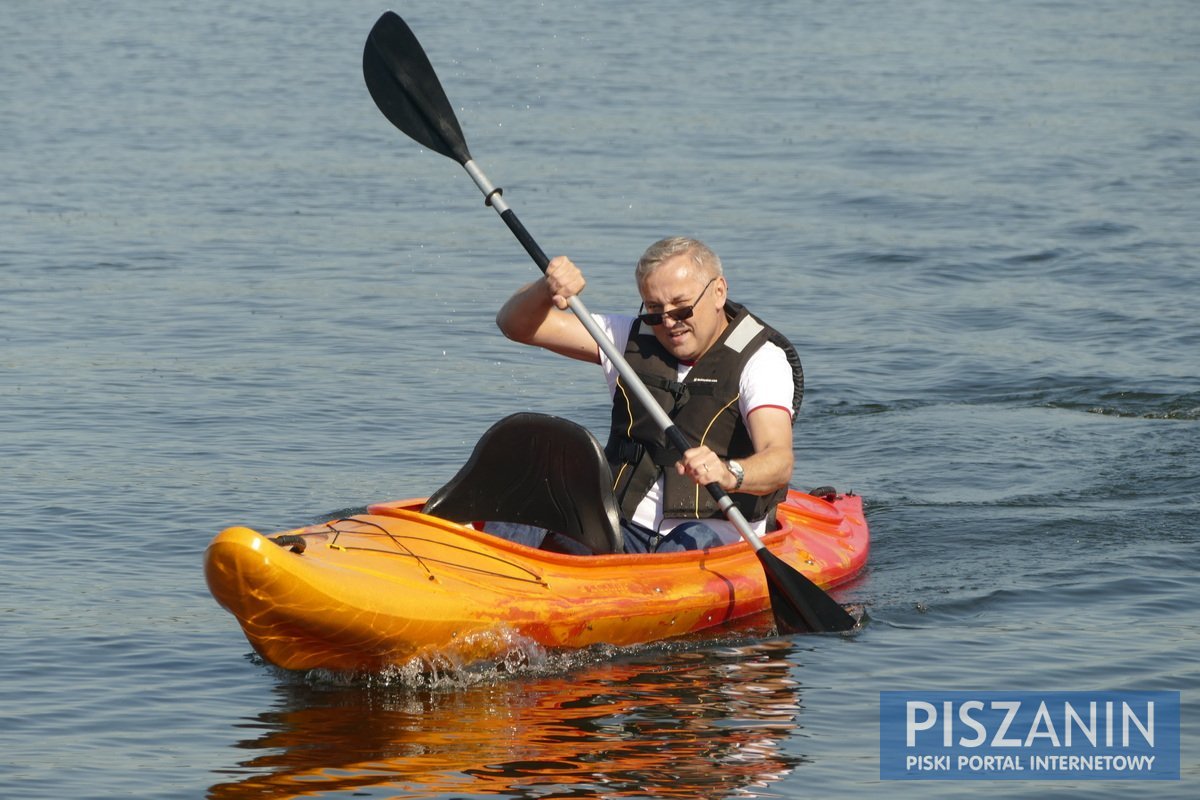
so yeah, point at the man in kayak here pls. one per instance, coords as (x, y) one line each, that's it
(729, 381)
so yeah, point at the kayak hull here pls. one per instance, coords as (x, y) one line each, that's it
(381, 588)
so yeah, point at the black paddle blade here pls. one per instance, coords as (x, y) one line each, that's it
(407, 90)
(800, 605)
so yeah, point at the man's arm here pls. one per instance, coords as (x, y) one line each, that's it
(770, 467)
(536, 314)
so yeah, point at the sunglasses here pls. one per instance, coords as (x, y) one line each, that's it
(653, 318)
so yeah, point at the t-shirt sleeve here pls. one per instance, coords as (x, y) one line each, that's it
(616, 327)
(766, 381)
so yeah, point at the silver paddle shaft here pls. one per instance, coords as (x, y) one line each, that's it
(495, 198)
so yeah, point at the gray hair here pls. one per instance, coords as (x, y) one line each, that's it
(704, 258)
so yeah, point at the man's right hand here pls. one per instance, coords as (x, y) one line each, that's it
(563, 280)
(537, 314)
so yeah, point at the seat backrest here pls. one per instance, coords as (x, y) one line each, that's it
(537, 470)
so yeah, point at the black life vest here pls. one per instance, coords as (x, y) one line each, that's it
(704, 406)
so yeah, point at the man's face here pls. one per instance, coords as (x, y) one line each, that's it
(677, 283)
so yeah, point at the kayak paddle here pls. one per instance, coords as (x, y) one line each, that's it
(407, 90)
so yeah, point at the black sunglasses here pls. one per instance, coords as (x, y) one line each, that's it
(678, 314)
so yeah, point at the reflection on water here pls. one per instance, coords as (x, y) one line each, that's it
(692, 723)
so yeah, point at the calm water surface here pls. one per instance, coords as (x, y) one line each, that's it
(233, 293)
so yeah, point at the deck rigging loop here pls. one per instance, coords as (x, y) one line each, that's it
(401, 548)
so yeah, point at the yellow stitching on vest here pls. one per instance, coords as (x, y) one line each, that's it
(703, 436)
(721, 411)
(628, 410)
(628, 432)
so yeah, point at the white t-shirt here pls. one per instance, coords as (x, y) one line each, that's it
(766, 380)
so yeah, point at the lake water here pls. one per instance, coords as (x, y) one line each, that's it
(232, 293)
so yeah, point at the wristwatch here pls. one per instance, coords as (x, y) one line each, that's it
(738, 473)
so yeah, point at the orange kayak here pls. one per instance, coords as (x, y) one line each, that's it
(394, 584)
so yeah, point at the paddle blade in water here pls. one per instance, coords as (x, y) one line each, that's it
(407, 90)
(800, 606)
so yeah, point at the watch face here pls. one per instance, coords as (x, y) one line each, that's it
(739, 474)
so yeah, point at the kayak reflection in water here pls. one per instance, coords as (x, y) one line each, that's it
(712, 722)
(727, 379)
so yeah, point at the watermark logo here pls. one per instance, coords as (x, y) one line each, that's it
(1029, 735)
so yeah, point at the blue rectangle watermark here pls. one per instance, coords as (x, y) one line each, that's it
(1029, 735)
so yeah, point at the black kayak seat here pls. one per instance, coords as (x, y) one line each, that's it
(538, 470)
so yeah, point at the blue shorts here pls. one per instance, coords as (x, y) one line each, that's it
(690, 535)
